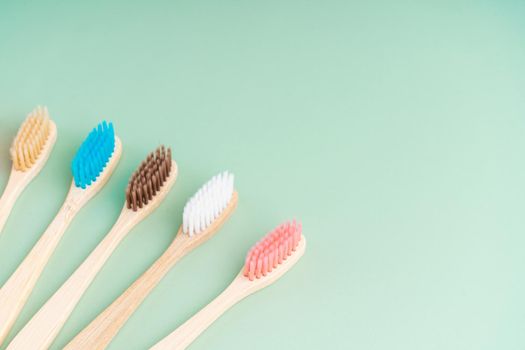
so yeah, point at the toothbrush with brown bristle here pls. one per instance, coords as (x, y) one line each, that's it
(147, 188)
(29, 152)
(92, 167)
(266, 262)
(203, 215)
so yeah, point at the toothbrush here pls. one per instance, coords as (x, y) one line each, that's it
(29, 152)
(266, 262)
(92, 167)
(203, 215)
(146, 189)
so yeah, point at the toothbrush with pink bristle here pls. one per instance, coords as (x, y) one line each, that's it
(266, 262)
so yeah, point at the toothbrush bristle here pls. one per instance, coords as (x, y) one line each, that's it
(272, 250)
(31, 139)
(147, 180)
(93, 155)
(207, 204)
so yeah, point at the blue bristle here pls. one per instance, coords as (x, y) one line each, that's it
(93, 155)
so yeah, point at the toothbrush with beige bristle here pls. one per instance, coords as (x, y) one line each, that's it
(92, 167)
(203, 216)
(266, 262)
(146, 190)
(29, 153)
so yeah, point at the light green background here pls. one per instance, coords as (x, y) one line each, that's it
(393, 130)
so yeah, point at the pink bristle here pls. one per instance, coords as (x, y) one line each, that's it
(259, 267)
(272, 250)
(285, 248)
(270, 260)
(275, 256)
(265, 263)
(281, 251)
(251, 273)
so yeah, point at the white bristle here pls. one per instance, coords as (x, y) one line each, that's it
(207, 204)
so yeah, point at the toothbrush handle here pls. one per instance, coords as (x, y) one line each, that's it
(183, 336)
(41, 330)
(16, 291)
(240, 288)
(101, 331)
(15, 185)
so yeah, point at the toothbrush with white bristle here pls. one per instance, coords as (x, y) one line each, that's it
(30, 151)
(203, 215)
(92, 167)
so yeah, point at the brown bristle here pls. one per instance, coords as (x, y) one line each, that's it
(147, 180)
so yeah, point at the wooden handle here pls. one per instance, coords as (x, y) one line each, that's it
(240, 288)
(16, 184)
(18, 287)
(183, 336)
(101, 331)
(45, 325)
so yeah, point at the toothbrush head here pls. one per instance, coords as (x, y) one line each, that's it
(93, 155)
(146, 183)
(273, 250)
(207, 206)
(32, 139)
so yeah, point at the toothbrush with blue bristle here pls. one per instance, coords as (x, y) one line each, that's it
(92, 166)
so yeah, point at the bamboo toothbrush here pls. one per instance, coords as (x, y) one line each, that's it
(92, 167)
(266, 262)
(147, 187)
(29, 152)
(203, 215)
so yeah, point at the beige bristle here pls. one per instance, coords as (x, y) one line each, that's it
(31, 139)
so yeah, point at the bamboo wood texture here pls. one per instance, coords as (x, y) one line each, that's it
(240, 288)
(101, 331)
(18, 180)
(19, 286)
(45, 325)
